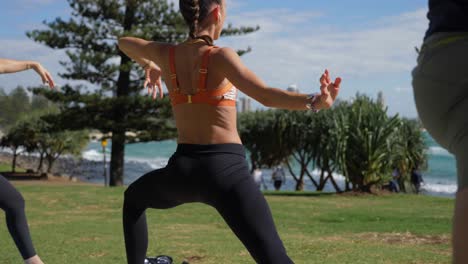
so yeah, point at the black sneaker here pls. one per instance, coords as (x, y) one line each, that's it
(159, 260)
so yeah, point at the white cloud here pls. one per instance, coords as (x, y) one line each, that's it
(386, 48)
(296, 47)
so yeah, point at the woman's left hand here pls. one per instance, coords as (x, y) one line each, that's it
(45, 75)
(328, 91)
(153, 80)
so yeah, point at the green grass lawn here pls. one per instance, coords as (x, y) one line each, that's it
(82, 224)
(7, 167)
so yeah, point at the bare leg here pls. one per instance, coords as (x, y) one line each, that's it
(460, 228)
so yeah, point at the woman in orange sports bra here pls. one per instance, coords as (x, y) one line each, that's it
(209, 165)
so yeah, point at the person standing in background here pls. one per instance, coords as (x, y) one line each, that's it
(416, 179)
(440, 83)
(258, 178)
(394, 186)
(278, 176)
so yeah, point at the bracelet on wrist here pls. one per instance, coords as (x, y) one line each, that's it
(312, 101)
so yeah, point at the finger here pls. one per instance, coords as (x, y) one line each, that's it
(44, 78)
(323, 80)
(337, 82)
(155, 91)
(50, 80)
(146, 85)
(324, 90)
(327, 74)
(150, 89)
(147, 80)
(336, 88)
(161, 95)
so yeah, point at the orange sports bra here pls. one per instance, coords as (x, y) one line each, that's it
(225, 96)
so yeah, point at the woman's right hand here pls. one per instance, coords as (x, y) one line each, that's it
(45, 75)
(153, 80)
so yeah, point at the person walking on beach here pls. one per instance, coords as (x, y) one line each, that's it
(416, 179)
(209, 165)
(394, 186)
(11, 201)
(258, 178)
(278, 177)
(440, 84)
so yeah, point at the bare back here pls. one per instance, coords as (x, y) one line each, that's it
(199, 123)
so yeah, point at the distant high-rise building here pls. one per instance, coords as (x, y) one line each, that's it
(245, 104)
(381, 99)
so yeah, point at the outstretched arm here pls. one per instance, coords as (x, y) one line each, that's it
(147, 54)
(246, 81)
(11, 66)
(140, 50)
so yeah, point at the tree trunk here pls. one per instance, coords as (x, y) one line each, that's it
(293, 175)
(314, 182)
(13, 164)
(41, 163)
(300, 182)
(117, 159)
(335, 185)
(323, 180)
(123, 90)
(50, 163)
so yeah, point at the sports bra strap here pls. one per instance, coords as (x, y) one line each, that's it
(174, 81)
(204, 69)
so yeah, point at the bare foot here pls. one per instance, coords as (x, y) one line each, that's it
(34, 260)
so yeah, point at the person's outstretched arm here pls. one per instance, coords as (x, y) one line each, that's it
(140, 50)
(246, 81)
(146, 54)
(12, 66)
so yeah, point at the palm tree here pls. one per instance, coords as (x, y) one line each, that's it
(409, 150)
(262, 135)
(366, 160)
(301, 138)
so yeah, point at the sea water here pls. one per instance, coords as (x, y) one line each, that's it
(140, 158)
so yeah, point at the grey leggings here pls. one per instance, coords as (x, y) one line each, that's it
(440, 83)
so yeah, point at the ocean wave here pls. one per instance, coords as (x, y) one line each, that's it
(154, 163)
(92, 155)
(445, 189)
(439, 151)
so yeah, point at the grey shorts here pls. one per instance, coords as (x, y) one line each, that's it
(440, 83)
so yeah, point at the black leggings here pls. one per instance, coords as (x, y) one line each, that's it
(216, 175)
(12, 203)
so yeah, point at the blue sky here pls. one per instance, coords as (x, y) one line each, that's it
(370, 44)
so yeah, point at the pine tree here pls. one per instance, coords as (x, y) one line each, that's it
(89, 38)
